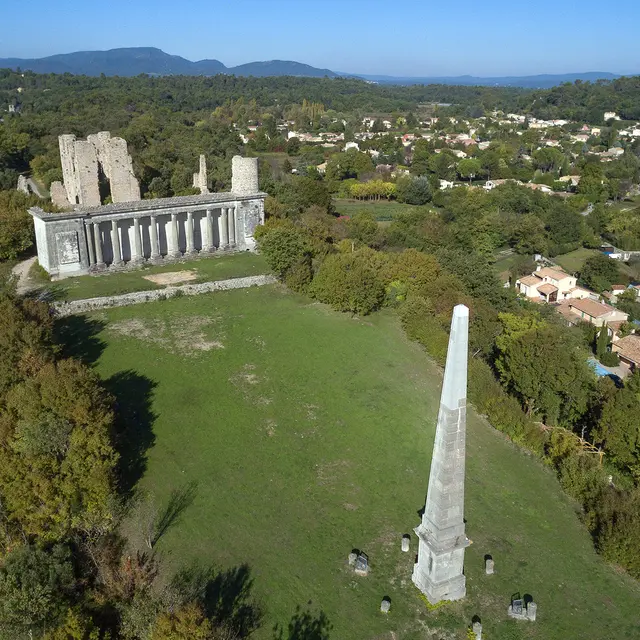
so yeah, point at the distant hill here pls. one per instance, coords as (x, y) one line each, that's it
(543, 81)
(136, 60)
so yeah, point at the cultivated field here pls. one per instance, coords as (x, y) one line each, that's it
(294, 434)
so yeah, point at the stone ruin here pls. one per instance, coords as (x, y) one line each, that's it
(23, 185)
(88, 164)
(123, 235)
(200, 178)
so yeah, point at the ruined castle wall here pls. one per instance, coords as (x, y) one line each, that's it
(86, 172)
(59, 195)
(114, 158)
(200, 178)
(67, 159)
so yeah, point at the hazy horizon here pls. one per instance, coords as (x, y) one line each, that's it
(373, 38)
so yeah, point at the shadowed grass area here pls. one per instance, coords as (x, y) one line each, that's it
(309, 433)
(206, 269)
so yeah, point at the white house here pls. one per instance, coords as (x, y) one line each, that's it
(550, 284)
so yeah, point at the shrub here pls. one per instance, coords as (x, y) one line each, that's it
(350, 282)
(610, 359)
(283, 247)
(299, 276)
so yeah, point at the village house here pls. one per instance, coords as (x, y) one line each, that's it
(596, 313)
(628, 350)
(550, 284)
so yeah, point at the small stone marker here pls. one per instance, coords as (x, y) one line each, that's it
(520, 610)
(488, 566)
(385, 605)
(352, 559)
(362, 565)
(406, 543)
(477, 629)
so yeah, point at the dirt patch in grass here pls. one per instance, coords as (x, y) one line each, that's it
(172, 277)
(329, 472)
(185, 336)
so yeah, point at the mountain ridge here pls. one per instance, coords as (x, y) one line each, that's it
(132, 61)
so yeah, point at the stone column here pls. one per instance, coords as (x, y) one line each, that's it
(115, 242)
(232, 226)
(209, 246)
(98, 241)
(174, 251)
(191, 249)
(153, 237)
(224, 235)
(88, 231)
(137, 257)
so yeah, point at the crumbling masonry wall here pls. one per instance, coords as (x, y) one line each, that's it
(81, 162)
(200, 178)
(113, 156)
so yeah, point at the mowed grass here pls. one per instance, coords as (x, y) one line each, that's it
(308, 433)
(207, 269)
(572, 262)
(383, 210)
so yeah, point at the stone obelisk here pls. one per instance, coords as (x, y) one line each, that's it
(438, 573)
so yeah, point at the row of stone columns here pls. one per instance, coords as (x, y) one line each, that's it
(227, 233)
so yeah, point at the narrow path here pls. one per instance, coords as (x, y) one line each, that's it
(21, 272)
(35, 187)
(139, 297)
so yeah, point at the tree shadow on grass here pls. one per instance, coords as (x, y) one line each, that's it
(180, 500)
(134, 436)
(225, 596)
(304, 625)
(78, 336)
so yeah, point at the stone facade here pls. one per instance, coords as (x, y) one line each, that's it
(438, 572)
(200, 178)
(85, 162)
(124, 235)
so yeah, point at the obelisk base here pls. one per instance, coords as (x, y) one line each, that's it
(452, 589)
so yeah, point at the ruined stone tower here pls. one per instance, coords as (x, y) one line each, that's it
(438, 573)
(83, 160)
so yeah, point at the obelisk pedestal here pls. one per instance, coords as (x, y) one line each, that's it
(438, 573)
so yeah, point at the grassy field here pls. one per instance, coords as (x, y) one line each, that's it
(573, 261)
(383, 209)
(299, 434)
(206, 269)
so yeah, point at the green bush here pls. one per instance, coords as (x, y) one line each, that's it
(283, 247)
(299, 276)
(350, 282)
(610, 359)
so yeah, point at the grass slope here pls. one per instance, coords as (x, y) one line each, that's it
(207, 269)
(309, 433)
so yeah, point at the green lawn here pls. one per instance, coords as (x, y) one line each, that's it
(573, 261)
(382, 209)
(207, 269)
(307, 433)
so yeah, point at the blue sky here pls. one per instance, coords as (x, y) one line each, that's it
(426, 37)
